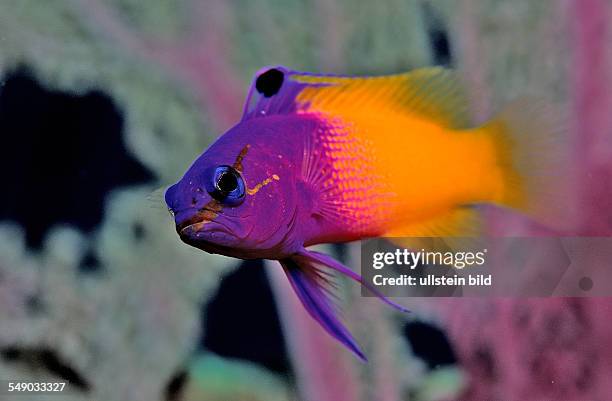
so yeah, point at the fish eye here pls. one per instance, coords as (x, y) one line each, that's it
(226, 185)
(227, 182)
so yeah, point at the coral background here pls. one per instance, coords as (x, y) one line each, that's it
(102, 102)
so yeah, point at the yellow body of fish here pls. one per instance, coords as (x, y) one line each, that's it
(409, 162)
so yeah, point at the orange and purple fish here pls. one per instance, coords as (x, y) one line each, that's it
(327, 159)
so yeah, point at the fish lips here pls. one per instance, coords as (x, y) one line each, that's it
(215, 240)
(197, 227)
(215, 237)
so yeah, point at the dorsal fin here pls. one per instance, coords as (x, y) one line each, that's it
(431, 93)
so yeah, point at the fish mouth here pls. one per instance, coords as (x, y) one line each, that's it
(189, 229)
(190, 223)
(189, 233)
(200, 218)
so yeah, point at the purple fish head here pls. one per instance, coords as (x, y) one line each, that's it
(239, 197)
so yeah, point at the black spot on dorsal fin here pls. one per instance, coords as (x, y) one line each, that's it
(270, 82)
